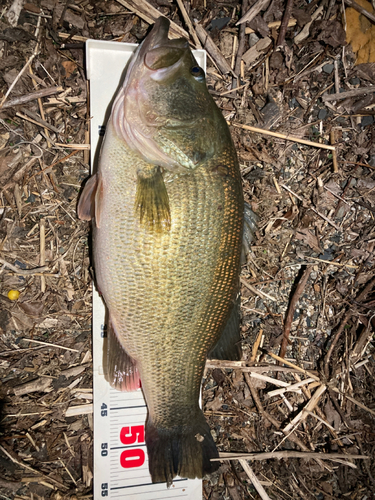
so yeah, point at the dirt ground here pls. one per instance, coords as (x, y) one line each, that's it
(307, 289)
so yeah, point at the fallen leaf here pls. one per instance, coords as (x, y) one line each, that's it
(215, 404)
(4, 139)
(308, 237)
(330, 32)
(302, 17)
(260, 26)
(34, 308)
(226, 44)
(32, 8)
(366, 71)
(16, 35)
(333, 418)
(69, 67)
(254, 52)
(360, 33)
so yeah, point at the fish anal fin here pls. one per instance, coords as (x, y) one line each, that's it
(85, 207)
(121, 370)
(183, 450)
(228, 346)
(152, 201)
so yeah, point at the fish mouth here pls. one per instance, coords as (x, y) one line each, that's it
(159, 54)
(158, 39)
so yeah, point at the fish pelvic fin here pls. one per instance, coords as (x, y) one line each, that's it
(120, 369)
(181, 450)
(152, 201)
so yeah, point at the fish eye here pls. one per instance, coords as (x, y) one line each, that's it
(198, 73)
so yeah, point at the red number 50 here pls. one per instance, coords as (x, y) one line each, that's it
(133, 457)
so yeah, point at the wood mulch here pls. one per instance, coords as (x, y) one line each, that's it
(295, 419)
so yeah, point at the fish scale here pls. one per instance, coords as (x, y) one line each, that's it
(163, 258)
(167, 241)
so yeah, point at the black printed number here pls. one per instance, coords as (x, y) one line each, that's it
(104, 451)
(104, 489)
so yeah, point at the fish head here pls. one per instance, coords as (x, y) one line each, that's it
(164, 111)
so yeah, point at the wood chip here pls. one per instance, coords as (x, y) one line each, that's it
(209, 45)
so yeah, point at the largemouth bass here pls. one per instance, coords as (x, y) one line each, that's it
(167, 209)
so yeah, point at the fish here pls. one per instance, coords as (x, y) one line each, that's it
(167, 211)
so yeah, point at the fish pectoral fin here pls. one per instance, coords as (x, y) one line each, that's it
(251, 220)
(152, 201)
(90, 201)
(228, 346)
(98, 200)
(85, 207)
(121, 370)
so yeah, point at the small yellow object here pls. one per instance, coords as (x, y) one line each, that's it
(13, 294)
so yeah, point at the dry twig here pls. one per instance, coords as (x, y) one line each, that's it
(286, 454)
(211, 48)
(23, 272)
(189, 24)
(349, 93)
(148, 13)
(285, 23)
(292, 306)
(253, 11)
(254, 479)
(282, 136)
(38, 94)
(343, 323)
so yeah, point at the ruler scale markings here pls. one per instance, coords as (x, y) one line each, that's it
(139, 485)
(162, 497)
(161, 493)
(157, 494)
(126, 407)
(125, 447)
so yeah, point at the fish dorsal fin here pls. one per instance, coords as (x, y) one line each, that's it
(152, 201)
(229, 344)
(120, 369)
(90, 201)
(250, 225)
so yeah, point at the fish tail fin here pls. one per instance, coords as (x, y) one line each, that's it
(181, 450)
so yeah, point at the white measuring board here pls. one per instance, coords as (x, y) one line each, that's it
(120, 456)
